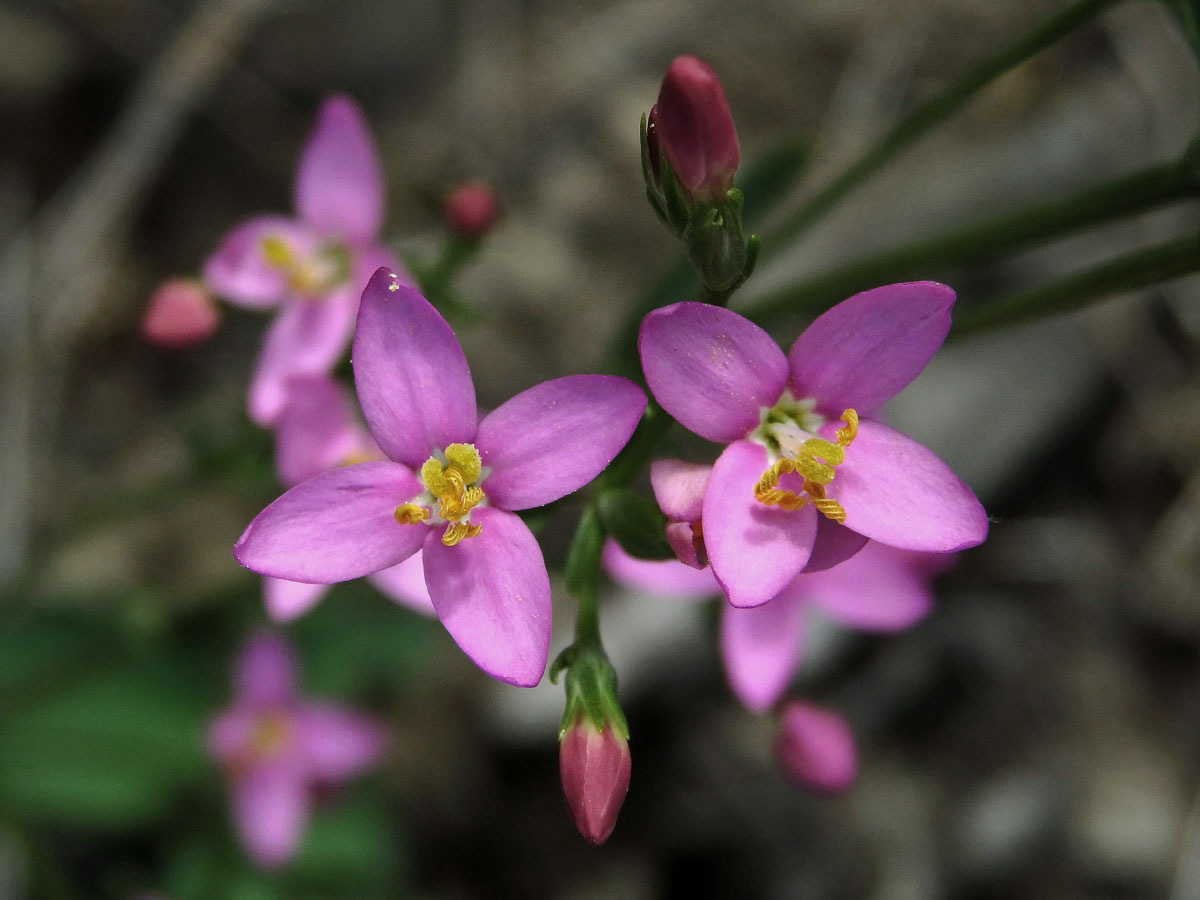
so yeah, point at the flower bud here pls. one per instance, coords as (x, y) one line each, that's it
(693, 126)
(181, 313)
(815, 748)
(595, 765)
(471, 210)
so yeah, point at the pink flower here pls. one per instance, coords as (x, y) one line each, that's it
(313, 267)
(692, 124)
(595, 765)
(317, 431)
(278, 750)
(181, 313)
(471, 210)
(449, 484)
(879, 589)
(788, 465)
(815, 748)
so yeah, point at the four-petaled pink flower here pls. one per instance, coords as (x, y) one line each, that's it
(278, 750)
(314, 266)
(317, 431)
(450, 483)
(790, 462)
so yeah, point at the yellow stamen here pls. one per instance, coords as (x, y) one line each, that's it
(411, 514)
(277, 252)
(451, 484)
(457, 531)
(815, 464)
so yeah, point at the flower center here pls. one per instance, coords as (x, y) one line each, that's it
(271, 734)
(787, 431)
(312, 274)
(451, 480)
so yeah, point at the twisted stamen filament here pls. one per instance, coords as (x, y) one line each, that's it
(814, 463)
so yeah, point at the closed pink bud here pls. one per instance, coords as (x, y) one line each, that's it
(816, 749)
(181, 313)
(695, 129)
(472, 209)
(595, 769)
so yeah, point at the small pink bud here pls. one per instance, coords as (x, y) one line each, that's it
(181, 313)
(815, 748)
(595, 769)
(695, 129)
(472, 209)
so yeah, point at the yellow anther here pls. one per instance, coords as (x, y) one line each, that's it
(431, 477)
(466, 458)
(850, 432)
(410, 514)
(814, 463)
(277, 252)
(457, 531)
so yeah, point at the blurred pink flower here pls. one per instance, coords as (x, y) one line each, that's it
(450, 484)
(815, 748)
(312, 267)
(878, 589)
(278, 750)
(789, 476)
(181, 313)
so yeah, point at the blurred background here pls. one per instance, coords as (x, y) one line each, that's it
(1038, 736)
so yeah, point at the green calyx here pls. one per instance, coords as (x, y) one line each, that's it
(591, 687)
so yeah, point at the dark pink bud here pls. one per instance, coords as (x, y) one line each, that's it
(595, 769)
(815, 748)
(181, 313)
(695, 129)
(472, 209)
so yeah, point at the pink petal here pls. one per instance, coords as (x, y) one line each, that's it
(663, 577)
(880, 589)
(682, 539)
(315, 431)
(492, 593)
(231, 733)
(754, 549)
(898, 493)
(711, 369)
(816, 749)
(760, 648)
(336, 743)
(287, 600)
(405, 584)
(339, 182)
(238, 269)
(266, 671)
(866, 349)
(270, 810)
(412, 378)
(337, 526)
(679, 488)
(835, 544)
(556, 437)
(307, 338)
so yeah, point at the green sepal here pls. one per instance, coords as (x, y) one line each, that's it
(715, 242)
(635, 522)
(591, 688)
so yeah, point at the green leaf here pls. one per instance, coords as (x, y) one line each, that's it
(106, 749)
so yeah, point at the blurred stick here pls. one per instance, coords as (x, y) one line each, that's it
(54, 269)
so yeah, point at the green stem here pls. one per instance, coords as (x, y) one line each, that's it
(1138, 269)
(583, 575)
(1125, 196)
(932, 113)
